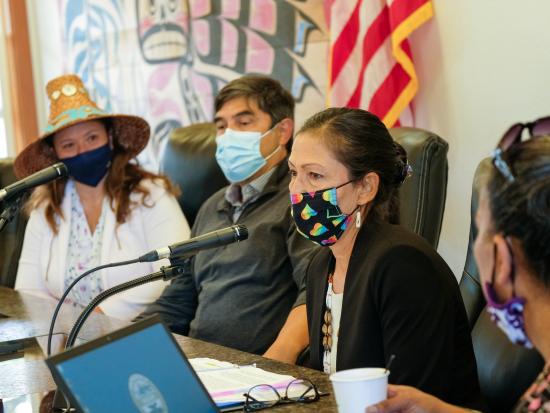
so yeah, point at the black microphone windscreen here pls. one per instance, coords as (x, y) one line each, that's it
(241, 232)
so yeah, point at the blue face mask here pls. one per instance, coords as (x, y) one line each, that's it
(238, 154)
(90, 167)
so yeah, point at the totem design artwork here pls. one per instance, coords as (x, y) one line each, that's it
(166, 59)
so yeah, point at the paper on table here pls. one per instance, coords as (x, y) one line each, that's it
(203, 363)
(227, 382)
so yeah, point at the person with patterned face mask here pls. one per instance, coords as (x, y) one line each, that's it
(512, 252)
(108, 210)
(374, 289)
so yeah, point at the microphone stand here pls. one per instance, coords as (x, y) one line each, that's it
(165, 273)
(11, 210)
(68, 290)
(61, 403)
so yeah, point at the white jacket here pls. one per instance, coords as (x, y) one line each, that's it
(42, 263)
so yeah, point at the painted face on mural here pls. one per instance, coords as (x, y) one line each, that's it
(190, 50)
(163, 29)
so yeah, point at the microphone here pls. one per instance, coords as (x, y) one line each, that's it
(190, 247)
(43, 176)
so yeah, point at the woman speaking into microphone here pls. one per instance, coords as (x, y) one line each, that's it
(109, 209)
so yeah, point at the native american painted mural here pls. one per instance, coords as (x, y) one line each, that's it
(166, 59)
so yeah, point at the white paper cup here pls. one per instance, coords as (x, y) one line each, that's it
(356, 389)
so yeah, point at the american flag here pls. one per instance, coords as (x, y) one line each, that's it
(370, 63)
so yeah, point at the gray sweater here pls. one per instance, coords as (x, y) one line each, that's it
(240, 295)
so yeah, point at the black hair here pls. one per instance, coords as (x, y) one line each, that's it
(271, 97)
(363, 144)
(521, 208)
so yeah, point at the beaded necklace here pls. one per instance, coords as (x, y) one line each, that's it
(327, 319)
(327, 328)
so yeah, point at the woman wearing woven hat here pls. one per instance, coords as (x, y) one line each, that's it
(108, 210)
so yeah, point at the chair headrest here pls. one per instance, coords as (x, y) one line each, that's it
(423, 195)
(470, 285)
(189, 161)
(470, 267)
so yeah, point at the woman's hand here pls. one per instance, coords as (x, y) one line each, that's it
(405, 399)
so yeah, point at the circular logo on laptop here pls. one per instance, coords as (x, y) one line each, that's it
(145, 395)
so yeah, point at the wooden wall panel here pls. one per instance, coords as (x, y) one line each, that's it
(20, 76)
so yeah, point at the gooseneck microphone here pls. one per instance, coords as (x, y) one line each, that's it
(180, 250)
(43, 176)
(190, 247)
(175, 252)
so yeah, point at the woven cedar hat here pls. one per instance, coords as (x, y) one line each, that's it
(70, 104)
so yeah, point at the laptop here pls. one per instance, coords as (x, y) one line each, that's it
(139, 368)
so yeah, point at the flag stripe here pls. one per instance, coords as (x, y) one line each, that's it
(376, 34)
(402, 53)
(371, 63)
(349, 76)
(343, 46)
(376, 72)
(339, 14)
(402, 101)
(401, 10)
(391, 87)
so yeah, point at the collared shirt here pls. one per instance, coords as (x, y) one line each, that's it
(240, 196)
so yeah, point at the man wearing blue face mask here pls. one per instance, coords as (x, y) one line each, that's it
(250, 295)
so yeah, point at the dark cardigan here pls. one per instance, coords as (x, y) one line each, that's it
(401, 298)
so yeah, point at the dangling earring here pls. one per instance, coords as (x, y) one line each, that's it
(358, 219)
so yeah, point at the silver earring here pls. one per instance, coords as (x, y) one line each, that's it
(358, 219)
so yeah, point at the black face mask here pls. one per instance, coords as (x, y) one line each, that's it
(318, 217)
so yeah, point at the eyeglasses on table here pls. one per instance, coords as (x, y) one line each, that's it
(264, 396)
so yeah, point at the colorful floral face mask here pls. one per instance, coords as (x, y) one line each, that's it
(318, 217)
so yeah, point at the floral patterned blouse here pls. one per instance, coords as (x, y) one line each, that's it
(537, 398)
(84, 251)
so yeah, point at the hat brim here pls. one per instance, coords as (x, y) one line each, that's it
(130, 133)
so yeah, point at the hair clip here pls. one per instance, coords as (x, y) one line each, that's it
(501, 165)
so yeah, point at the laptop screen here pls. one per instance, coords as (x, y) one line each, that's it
(140, 368)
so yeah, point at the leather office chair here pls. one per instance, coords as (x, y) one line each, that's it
(423, 195)
(505, 370)
(189, 160)
(11, 237)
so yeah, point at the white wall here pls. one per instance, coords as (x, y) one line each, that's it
(483, 65)
(46, 51)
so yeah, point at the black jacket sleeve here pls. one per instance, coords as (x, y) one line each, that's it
(416, 308)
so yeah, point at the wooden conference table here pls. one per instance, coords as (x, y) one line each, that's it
(25, 381)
